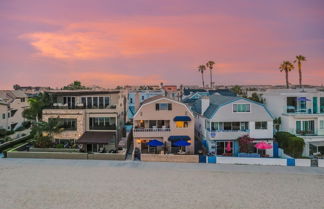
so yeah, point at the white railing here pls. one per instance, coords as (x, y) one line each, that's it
(226, 134)
(151, 129)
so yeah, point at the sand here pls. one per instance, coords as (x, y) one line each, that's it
(78, 184)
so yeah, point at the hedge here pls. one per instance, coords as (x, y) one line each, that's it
(291, 144)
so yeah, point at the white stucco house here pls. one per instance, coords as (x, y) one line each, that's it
(302, 113)
(221, 120)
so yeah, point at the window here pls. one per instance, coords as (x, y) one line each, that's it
(89, 102)
(101, 102)
(181, 124)
(95, 102)
(241, 107)
(70, 101)
(163, 106)
(261, 125)
(3, 116)
(143, 98)
(8, 114)
(84, 101)
(131, 100)
(70, 124)
(102, 123)
(22, 99)
(305, 127)
(321, 124)
(106, 102)
(322, 105)
(230, 126)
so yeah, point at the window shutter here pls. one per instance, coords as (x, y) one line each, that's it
(169, 106)
(157, 106)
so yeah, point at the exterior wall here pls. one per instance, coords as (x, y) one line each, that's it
(148, 112)
(79, 115)
(170, 158)
(3, 112)
(17, 118)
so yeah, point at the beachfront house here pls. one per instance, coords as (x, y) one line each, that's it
(221, 120)
(302, 113)
(163, 125)
(136, 97)
(12, 103)
(92, 118)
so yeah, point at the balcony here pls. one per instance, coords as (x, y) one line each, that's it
(151, 129)
(151, 132)
(79, 106)
(226, 134)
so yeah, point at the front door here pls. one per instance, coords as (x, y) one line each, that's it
(89, 147)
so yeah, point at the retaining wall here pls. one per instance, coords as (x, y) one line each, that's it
(170, 158)
(251, 161)
(32, 149)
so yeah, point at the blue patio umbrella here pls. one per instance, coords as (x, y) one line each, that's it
(154, 143)
(181, 143)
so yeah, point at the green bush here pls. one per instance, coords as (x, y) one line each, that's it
(20, 128)
(3, 132)
(59, 146)
(26, 124)
(43, 142)
(291, 144)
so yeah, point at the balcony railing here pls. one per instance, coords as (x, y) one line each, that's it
(79, 106)
(151, 129)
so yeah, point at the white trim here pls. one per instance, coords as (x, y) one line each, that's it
(162, 99)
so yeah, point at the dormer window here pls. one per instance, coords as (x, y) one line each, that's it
(241, 108)
(163, 106)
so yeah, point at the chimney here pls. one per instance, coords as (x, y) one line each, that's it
(204, 104)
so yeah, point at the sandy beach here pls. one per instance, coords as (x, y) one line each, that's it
(77, 184)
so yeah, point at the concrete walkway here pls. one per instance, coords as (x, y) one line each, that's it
(40, 183)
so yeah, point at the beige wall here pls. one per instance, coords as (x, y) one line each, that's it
(148, 112)
(3, 121)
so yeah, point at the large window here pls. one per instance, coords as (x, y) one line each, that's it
(305, 127)
(4, 116)
(321, 124)
(230, 126)
(241, 107)
(95, 102)
(70, 124)
(102, 123)
(322, 105)
(70, 101)
(261, 125)
(163, 106)
(181, 124)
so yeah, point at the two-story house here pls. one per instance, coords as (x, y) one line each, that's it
(92, 118)
(136, 97)
(11, 115)
(301, 112)
(221, 120)
(167, 121)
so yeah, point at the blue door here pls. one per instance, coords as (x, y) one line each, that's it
(275, 149)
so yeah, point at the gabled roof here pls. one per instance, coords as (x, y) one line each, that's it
(10, 95)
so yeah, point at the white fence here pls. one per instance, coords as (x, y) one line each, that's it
(251, 161)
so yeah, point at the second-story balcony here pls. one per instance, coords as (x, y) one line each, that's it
(79, 106)
(151, 129)
(225, 134)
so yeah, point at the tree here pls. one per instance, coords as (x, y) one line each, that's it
(255, 97)
(43, 132)
(210, 65)
(245, 143)
(16, 87)
(286, 66)
(238, 91)
(201, 69)
(36, 106)
(76, 85)
(299, 60)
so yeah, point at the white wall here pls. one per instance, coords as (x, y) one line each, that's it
(303, 162)
(251, 161)
(261, 134)
(321, 163)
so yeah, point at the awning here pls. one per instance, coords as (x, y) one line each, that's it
(182, 118)
(176, 138)
(92, 137)
(181, 143)
(154, 143)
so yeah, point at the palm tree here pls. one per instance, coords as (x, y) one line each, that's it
(210, 65)
(287, 67)
(201, 69)
(299, 60)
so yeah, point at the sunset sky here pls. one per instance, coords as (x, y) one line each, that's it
(119, 42)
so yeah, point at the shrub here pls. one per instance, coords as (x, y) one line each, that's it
(59, 146)
(43, 142)
(245, 143)
(20, 128)
(291, 144)
(26, 124)
(3, 132)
